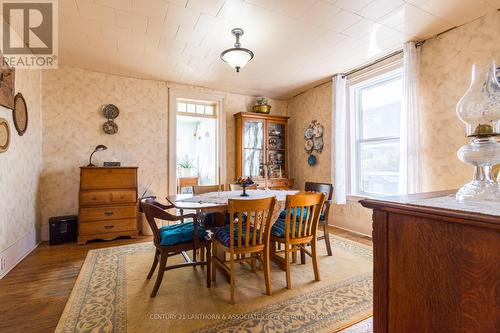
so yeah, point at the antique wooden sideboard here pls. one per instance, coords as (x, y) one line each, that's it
(435, 270)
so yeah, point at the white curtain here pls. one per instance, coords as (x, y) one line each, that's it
(339, 138)
(410, 122)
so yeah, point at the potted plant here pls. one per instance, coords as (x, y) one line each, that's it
(185, 164)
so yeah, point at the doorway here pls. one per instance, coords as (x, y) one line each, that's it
(198, 146)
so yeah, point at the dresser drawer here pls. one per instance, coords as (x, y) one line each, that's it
(107, 213)
(125, 196)
(101, 227)
(94, 197)
(108, 178)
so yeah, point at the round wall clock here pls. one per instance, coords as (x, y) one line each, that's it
(4, 135)
(20, 114)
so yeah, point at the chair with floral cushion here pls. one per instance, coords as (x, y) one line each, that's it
(247, 234)
(175, 239)
(298, 229)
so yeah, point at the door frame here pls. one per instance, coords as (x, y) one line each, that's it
(173, 94)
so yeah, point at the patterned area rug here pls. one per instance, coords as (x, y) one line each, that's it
(112, 295)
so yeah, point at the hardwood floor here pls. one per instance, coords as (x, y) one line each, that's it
(34, 293)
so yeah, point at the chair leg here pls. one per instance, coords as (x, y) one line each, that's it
(214, 266)
(315, 259)
(327, 238)
(202, 255)
(231, 278)
(194, 255)
(287, 266)
(267, 271)
(209, 266)
(294, 255)
(302, 255)
(161, 271)
(254, 263)
(153, 267)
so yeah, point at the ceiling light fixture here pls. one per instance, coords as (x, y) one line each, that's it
(237, 56)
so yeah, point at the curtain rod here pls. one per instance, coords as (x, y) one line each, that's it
(392, 54)
(357, 69)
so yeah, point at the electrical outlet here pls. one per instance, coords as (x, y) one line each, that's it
(2, 264)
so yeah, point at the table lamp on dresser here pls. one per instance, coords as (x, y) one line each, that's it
(96, 149)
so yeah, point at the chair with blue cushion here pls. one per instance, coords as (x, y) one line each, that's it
(327, 189)
(175, 239)
(298, 229)
(248, 233)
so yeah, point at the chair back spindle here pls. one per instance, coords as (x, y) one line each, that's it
(303, 211)
(252, 228)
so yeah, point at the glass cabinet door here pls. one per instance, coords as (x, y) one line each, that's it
(276, 145)
(253, 148)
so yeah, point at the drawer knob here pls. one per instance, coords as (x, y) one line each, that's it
(94, 198)
(108, 213)
(109, 226)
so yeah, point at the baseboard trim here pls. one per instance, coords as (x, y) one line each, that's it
(15, 253)
(353, 231)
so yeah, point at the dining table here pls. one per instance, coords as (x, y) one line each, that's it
(216, 203)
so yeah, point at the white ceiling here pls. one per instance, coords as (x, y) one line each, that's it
(296, 42)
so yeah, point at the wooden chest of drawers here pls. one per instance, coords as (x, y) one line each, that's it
(108, 203)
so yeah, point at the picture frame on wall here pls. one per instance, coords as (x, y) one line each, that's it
(7, 87)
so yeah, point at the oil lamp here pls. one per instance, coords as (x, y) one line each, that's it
(479, 110)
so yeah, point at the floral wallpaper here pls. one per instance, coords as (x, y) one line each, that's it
(20, 167)
(316, 104)
(72, 127)
(444, 77)
(72, 122)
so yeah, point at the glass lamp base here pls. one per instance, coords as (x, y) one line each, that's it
(482, 153)
(478, 190)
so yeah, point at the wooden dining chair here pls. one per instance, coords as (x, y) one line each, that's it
(238, 187)
(200, 189)
(297, 229)
(247, 234)
(327, 189)
(175, 239)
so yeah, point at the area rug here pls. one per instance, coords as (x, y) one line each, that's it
(111, 294)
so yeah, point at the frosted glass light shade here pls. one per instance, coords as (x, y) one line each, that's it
(479, 108)
(237, 57)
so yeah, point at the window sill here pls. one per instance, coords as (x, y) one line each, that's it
(357, 198)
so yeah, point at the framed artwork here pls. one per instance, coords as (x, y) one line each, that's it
(7, 87)
(4, 135)
(20, 114)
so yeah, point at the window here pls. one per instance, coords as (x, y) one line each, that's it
(195, 107)
(375, 115)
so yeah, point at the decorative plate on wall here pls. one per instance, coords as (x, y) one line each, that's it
(110, 111)
(312, 160)
(4, 135)
(110, 127)
(20, 114)
(314, 137)
(7, 83)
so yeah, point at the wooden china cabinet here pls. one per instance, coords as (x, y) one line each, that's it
(262, 149)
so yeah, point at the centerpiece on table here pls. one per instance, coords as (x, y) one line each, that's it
(244, 182)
